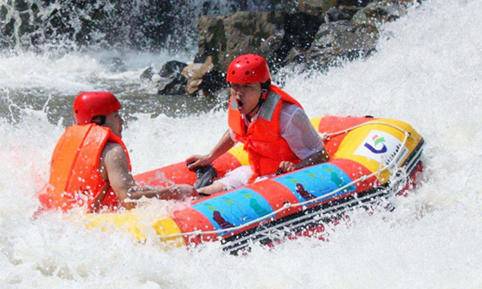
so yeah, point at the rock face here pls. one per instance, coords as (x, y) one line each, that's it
(30, 23)
(377, 13)
(169, 79)
(144, 24)
(202, 77)
(315, 33)
(336, 41)
(243, 32)
(315, 7)
(271, 34)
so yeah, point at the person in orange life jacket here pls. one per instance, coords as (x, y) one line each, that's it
(273, 127)
(91, 166)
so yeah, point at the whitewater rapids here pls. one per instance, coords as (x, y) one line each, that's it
(427, 71)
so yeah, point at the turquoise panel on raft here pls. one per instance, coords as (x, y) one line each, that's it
(233, 209)
(316, 181)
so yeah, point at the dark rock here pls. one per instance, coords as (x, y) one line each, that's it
(315, 7)
(212, 39)
(175, 85)
(147, 74)
(271, 34)
(223, 38)
(212, 82)
(146, 24)
(171, 81)
(300, 29)
(358, 3)
(3, 12)
(338, 41)
(21, 5)
(195, 72)
(377, 13)
(171, 68)
(336, 14)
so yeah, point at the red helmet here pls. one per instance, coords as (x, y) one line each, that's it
(248, 68)
(93, 103)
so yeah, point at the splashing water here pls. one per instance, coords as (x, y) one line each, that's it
(427, 71)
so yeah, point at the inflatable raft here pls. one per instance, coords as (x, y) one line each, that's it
(370, 159)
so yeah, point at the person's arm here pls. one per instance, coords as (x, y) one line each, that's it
(123, 184)
(223, 145)
(302, 138)
(313, 159)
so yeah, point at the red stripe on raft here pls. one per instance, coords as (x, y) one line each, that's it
(225, 163)
(162, 177)
(190, 220)
(334, 124)
(355, 171)
(277, 196)
(179, 173)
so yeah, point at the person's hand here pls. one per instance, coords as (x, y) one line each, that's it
(285, 167)
(195, 161)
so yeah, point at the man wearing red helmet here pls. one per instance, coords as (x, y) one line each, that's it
(90, 164)
(272, 125)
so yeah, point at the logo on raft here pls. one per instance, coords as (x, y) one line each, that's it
(382, 147)
(375, 147)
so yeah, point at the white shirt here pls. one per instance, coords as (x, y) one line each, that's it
(296, 129)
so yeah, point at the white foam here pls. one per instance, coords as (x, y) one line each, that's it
(69, 73)
(427, 73)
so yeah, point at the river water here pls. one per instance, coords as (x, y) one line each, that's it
(428, 71)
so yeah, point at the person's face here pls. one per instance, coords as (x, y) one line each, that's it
(246, 95)
(114, 121)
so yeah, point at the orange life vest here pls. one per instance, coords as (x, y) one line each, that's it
(75, 178)
(262, 138)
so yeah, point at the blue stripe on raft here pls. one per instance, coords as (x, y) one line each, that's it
(316, 181)
(234, 209)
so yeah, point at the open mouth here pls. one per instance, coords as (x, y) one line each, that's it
(239, 103)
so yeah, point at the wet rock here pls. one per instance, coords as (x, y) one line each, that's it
(212, 82)
(171, 81)
(315, 7)
(338, 41)
(147, 74)
(223, 38)
(194, 74)
(294, 39)
(357, 3)
(146, 24)
(171, 68)
(336, 14)
(377, 13)
(203, 78)
(172, 86)
(271, 34)
(21, 5)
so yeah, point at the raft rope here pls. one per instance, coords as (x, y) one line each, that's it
(393, 165)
